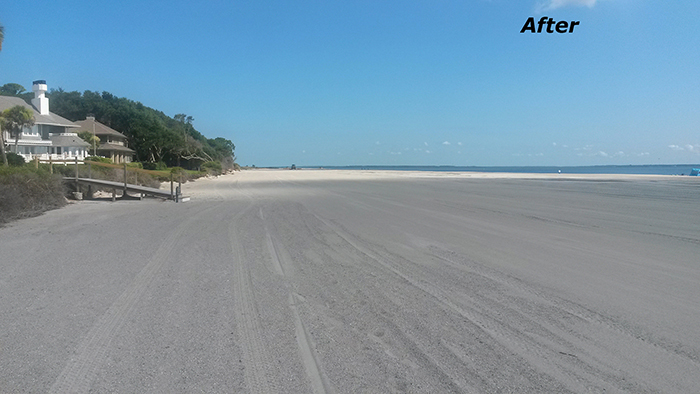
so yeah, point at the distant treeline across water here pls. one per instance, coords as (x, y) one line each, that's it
(657, 169)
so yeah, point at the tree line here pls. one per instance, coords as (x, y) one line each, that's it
(157, 139)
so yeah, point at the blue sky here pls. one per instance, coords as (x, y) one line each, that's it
(411, 82)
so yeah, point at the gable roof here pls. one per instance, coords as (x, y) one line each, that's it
(51, 119)
(100, 129)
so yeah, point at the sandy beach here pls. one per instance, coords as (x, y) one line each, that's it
(319, 281)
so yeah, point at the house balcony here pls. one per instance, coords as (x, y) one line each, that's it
(63, 158)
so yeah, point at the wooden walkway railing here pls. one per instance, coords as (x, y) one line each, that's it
(174, 194)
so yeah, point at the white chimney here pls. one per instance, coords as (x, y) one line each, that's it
(40, 101)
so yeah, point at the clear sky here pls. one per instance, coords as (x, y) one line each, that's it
(410, 82)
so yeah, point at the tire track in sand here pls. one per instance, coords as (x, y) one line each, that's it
(307, 350)
(276, 264)
(414, 347)
(258, 375)
(319, 382)
(544, 356)
(80, 371)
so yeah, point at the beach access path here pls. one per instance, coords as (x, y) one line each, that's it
(312, 281)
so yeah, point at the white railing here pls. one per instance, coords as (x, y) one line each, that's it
(63, 157)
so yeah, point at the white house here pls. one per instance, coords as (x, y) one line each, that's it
(52, 136)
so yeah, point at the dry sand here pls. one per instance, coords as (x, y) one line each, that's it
(361, 282)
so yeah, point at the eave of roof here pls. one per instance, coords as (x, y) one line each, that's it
(29, 142)
(114, 147)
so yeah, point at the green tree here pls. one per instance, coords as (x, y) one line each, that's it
(12, 89)
(15, 160)
(16, 90)
(15, 119)
(2, 141)
(154, 136)
(91, 139)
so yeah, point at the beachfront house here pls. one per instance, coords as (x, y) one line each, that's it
(51, 137)
(113, 144)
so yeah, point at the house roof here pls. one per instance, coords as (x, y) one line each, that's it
(31, 143)
(114, 147)
(100, 129)
(68, 139)
(51, 119)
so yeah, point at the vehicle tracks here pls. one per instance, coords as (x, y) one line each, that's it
(79, 372)
(549, 351)
(259, 376)
(283, 266)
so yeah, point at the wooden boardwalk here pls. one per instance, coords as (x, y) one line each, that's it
(174, 194)
(129, 188)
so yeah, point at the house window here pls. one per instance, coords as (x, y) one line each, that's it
(58, 150)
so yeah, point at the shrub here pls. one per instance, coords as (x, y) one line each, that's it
(15, 160)
(98, 159)
(149, 180)
(159, 166)
(26, 192)
(212, 167)
(135, 164)
(60, 169)
(177, 171)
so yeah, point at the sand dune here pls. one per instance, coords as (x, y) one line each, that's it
(361, 282)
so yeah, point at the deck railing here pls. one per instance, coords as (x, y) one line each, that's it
(175, 193)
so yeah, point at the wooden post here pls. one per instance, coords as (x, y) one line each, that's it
(172, 196)
(89, 188)
(36, 162)
(50, 164)
(77, 188)
(124, 195)
(179, 188)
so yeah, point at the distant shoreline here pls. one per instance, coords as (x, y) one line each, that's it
(215, 188)
(630, 169)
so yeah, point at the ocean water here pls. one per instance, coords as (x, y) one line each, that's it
(660, 169)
